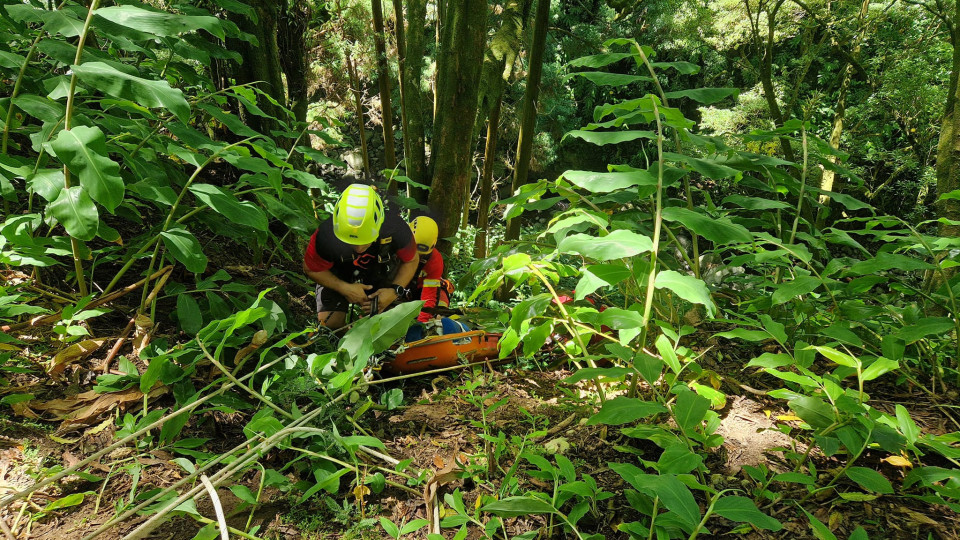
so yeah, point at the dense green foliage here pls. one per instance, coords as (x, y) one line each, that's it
(743, 186)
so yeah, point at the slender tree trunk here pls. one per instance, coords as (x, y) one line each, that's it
(948, 148)
(358, 105)
(827, 183)
(529, 115)
(458, 74)
(401, 82)
(486, 182)
(292, 45)
(414, 147)
(383, 76)
(766, 64)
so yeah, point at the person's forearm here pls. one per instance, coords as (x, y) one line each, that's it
(406, 272)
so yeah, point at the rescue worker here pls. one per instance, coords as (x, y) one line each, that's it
(430, 285)
(360, 253)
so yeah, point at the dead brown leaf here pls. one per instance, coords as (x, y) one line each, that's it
(437, 461)
(86, 407)
(74, 353)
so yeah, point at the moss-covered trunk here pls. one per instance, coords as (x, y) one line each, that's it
(383, 78)
(528, 120)
(414, 148)
(458, 77)
(948, 149)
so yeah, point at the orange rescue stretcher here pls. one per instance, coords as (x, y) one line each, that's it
(448, 350)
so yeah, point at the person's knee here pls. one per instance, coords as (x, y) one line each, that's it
(332, 319)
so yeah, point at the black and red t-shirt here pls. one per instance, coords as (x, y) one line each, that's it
(327, 252)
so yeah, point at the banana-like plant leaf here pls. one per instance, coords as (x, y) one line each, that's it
(146, 92)
(742, 509)
(185, 248)
(160, 23)
(704, 96)
(84, 150)
(76, 212)
(618, 244)
(689, 288)
(602, 78)
(717, 230)
(601, 138)
(605, 182)
(224, 202)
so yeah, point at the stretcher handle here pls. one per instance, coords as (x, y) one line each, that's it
(441, 339)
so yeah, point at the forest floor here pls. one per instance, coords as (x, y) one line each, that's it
(439, 431)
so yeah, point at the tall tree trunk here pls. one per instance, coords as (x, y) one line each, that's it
(292, 45)
(261, 62)
(486, 182)
(358, 104)
(827, 183)
(401, 82)
(458, 74)
(500, 58)
(948, 148)
(383, 76)
(414, 148)
(765, 45)
(529, 116)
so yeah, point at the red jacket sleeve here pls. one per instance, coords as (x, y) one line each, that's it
(408, 252)
(313, 261)
(430, 286)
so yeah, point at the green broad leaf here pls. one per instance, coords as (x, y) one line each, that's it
(685, 68)
(717, 230)
(689, 410)
(927, 326)
(40, 107)
(84, 151)
(76, 212)
(602, 78)
(599, 60)
(795, 478)
(674, 495)
(354, 441)
(185, 248)
(597, 373)
(624, 410)
(791, 289)
(616, 245)
(596, 276)
(601, 138)
(11, 60)
(413, 526)
(48, 183)
(771, 360)
(718, 399)
(704, 96)
(678, 459)
(244, 493)
(954, 195)
(754, 203)
(838, 357)
(145, 92)
(605, 182)
(189, 315)
(74, 499)
(813, 411)
(620, 319)
(373, 335)
(879, 367)
(668, 354)
(160, 23)
(855, 496)
(745, 334)
(390, 528)
(705, 166)
(687, 287)
(226, 204)
(870, 480)
(906, 425)
(743, 510)
(888, 261)
(519, 506)
(528, 308)
(821, 531)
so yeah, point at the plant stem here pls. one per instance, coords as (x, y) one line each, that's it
(263, 399)
(657, 220)
(67, 121)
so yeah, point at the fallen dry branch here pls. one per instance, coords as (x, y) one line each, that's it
(51, 319)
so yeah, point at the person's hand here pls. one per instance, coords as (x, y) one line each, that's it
(355, 293)
(385, 297)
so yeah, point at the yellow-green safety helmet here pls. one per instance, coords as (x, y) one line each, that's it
(425, 233)
(358, 215)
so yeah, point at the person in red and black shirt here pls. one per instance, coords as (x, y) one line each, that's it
(430, 285)
(358, 254)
